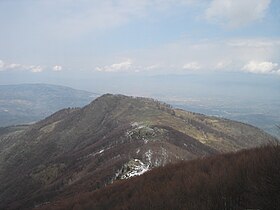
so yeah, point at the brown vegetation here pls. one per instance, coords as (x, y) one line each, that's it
(245, 180)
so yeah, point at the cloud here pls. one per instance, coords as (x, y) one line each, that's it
(192, 66)
(57, 68)
(20, 67)
(35, 69)
(182, 55)
(9, 66)
(207, 55)
(117, 67)
(263, 67)
(235, 13)
(2, 64)
(199, 55)
(13, 66)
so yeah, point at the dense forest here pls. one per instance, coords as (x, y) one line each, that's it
(249, 179)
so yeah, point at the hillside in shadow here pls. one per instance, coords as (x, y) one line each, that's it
(245, 180)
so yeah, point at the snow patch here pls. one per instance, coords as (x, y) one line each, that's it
(101, 151)
(135, 124)
(94, 153)
(133, 168)
(149, 156)
(162, 159)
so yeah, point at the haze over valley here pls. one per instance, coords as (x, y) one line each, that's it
(250, 100)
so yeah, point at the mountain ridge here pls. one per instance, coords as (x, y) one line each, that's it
(82, 149)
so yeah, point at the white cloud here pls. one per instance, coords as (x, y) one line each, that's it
(117, 67)
(20, 67)
(13, 66)
(9, 66)
(192, 66)
(2, 64)
(57, 68)
(235, 13)
(186, 54)
(35, 69)
(263, 67)
(206, 55)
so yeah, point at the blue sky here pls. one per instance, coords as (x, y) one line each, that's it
(67, 38)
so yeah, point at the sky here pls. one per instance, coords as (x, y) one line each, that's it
(67, 40)
(218, 57)
(147, 36)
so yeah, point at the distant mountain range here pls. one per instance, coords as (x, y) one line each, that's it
(80, 150)
(27, 103)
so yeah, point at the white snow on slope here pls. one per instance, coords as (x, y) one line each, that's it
(133, 168)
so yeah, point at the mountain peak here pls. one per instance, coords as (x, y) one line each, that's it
(83, 149)
(130, 103)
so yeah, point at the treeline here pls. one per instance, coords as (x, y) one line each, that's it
(249, 179)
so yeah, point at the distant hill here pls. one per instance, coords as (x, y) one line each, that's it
(78, 150)
(245, 180)
(26, 103)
